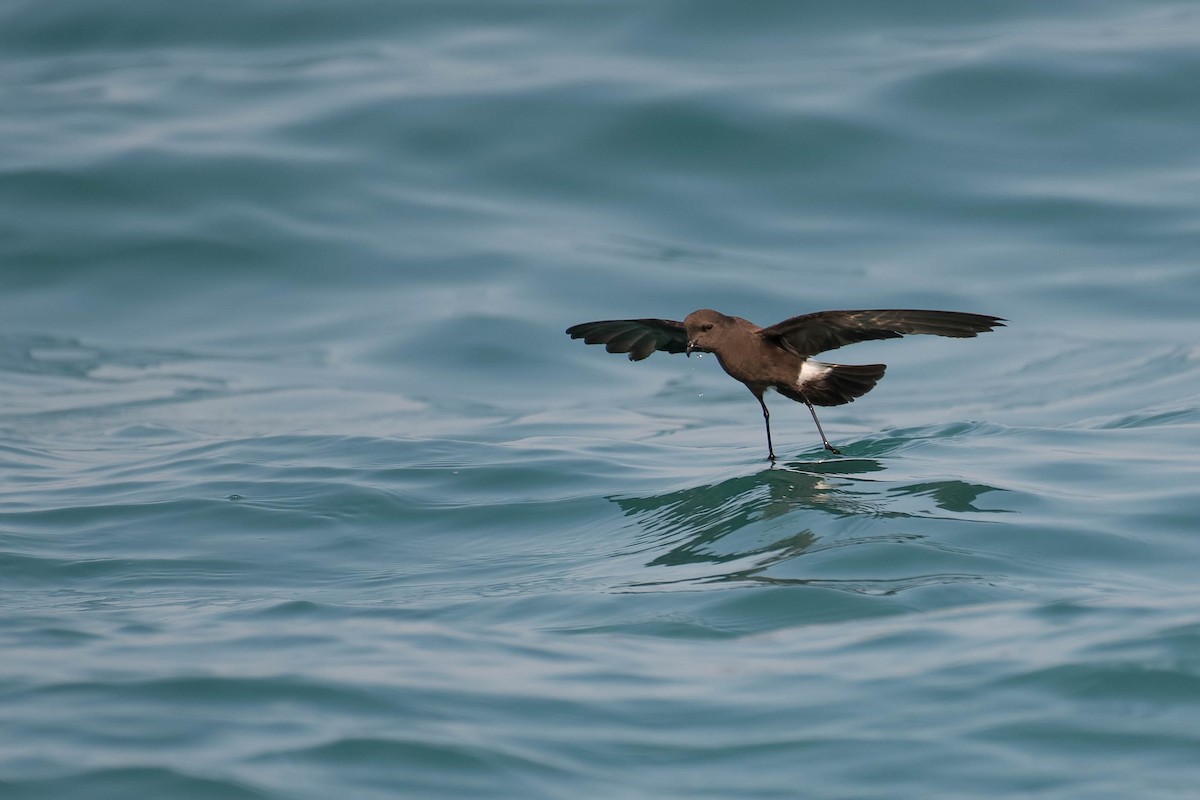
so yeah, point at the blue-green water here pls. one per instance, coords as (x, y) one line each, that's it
(305, 494)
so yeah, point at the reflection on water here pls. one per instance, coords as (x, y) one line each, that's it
(758, 527)
(705, 514)
(957, 496)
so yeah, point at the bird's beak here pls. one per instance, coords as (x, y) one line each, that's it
(690, 347)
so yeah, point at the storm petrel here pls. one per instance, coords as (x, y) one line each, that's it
(780, 357)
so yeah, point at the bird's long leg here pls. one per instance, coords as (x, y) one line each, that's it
(767, 420)
(820, 430)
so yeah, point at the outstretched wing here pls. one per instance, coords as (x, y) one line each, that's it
(810, 334)
(638, 337)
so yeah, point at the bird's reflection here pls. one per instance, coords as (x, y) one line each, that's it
(706, 514)
(957, 496)
(774, 515)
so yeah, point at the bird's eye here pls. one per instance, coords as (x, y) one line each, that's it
(707, 326)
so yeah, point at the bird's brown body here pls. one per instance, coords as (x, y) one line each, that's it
(780, 357)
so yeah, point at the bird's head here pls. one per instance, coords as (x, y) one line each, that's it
(704, 328)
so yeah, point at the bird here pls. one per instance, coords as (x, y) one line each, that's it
(780, 357)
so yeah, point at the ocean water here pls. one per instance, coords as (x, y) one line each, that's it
(305, 494)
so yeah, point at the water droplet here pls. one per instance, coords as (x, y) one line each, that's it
(235, 497)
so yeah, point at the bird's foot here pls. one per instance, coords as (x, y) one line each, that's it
(832, 449)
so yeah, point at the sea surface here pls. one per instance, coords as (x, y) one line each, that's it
(304, 493)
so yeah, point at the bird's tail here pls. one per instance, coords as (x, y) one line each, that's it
(832, 384)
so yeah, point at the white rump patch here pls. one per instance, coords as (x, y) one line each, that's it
(812, 371)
